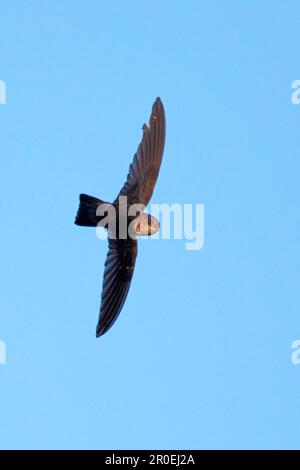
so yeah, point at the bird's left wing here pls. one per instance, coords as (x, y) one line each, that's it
(118, 272)
(143, 171)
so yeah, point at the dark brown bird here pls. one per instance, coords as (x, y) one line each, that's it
(138, 189)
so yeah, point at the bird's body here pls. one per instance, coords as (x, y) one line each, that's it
(125, 218)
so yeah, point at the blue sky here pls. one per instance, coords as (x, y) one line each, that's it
(200, 356)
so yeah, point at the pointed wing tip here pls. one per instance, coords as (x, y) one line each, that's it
(158, 102)
(158, 111)
(101, 328)
(100, 331)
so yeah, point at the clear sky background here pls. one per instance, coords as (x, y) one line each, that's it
(200, 356)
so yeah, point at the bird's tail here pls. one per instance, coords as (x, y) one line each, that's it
(86, 214)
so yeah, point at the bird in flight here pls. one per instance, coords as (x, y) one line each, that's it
(134, 197)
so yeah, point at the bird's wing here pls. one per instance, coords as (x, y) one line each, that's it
(144, 169)
(118, 272)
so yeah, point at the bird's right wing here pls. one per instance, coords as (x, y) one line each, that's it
(118, 272)
(144, 169)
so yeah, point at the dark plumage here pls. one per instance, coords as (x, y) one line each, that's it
(138, 189)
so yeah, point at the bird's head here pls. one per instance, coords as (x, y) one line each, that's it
(146, 224)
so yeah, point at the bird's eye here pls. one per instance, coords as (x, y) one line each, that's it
(149, 221)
